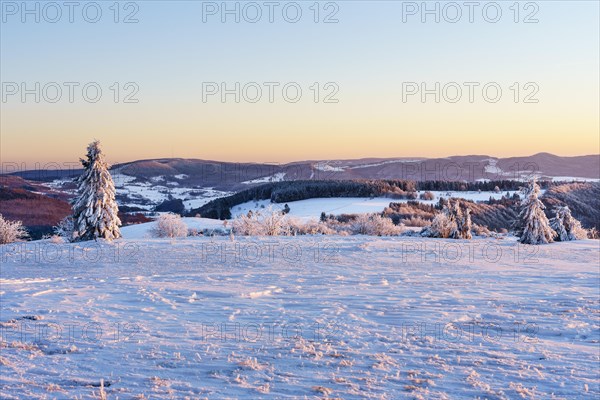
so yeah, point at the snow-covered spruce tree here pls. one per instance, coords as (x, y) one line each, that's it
(95, 208)
(534, 225)
(457, 218)
(466, 225)
(566, 227)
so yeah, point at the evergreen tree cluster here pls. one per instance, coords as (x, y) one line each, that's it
(484, 186)
(288, 191)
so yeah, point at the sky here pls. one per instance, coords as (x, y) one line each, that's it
(153, 79)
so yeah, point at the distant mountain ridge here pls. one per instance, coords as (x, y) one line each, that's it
(155, 185)
(233, 176)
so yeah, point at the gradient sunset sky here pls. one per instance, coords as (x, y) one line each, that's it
(369, 53)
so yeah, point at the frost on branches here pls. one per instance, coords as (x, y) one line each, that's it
(170, 226)
(566, 227)
(11, 231)
(95, 208)
(534, 225)
(375, 225)
(65, 229)
(463, 223)
(451, 223)
(268, 223)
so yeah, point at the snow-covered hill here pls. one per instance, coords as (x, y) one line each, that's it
(312, 208)
(294, 317)
(147, 194)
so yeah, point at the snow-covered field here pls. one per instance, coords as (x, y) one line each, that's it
(312, 208)
(300, 317)
(144, 231)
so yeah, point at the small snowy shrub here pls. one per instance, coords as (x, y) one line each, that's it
(360, 226)
(262, 223)
(481, 230)
(247, 225)
(65, 229)
(338, 227)
(427, 196)
(376, 225)
(273, 222)
(276, 223)
(11, 231)
(441, 227)
(451, 223)
(415, 221)
(170, 226)
(312, 227)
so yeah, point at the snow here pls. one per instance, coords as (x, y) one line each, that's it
(192, 200)
(278, 177)
(58, 185)
(147, 195)
(492, 168)
(573, 178)
(158, 178)
(312, 208)
(122, 179)
(384, 163)
(323, 166)
(340, 317)
(142, 231)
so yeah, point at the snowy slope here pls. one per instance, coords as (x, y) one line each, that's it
(143, 231)
(312, 208)
(354, 317)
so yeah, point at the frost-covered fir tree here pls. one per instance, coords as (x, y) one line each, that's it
(457, 219)
(95, 209)
(462, 219)
(566, 227)
(534, 225)
(466, 225)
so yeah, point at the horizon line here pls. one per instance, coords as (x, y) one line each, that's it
(415, 158)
